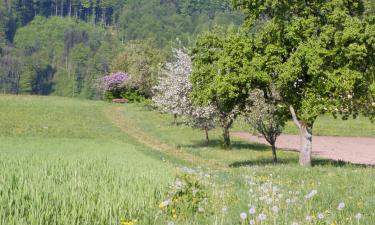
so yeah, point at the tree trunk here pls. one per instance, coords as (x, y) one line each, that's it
(306, 145)
(207, 137)
(305, 138)
(274, 156)
(175, 119)
(62, 8)
(70, 8)
(226, 136)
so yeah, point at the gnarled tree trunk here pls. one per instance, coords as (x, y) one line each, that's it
(305, 151)
(306, 145)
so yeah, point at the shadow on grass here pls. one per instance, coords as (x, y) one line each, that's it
(337, 163)
(315, 162)
(261, 162)
(236, 145)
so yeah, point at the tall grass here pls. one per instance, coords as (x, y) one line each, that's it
(61, 162)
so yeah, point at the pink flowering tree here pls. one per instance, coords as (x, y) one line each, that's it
(114, 84)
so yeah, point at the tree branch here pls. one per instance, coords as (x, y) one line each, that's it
(294, 116)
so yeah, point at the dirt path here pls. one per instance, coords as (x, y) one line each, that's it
(357, 150)
(117, 115)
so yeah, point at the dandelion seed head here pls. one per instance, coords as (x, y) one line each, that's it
(243, 216)
(262, 216)
(252, 210)
(341, 206)
(358, 216)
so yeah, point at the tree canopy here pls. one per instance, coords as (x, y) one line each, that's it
(319, 53)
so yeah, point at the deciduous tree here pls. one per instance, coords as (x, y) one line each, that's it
(319, 53)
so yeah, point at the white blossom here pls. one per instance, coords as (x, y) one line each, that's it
(172, 94)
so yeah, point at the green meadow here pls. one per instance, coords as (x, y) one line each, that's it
(71, 161)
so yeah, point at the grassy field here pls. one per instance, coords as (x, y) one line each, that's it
(62, 162)
(329, 126)
(68, 161)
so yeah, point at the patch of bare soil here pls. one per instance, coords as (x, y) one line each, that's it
(358, 150)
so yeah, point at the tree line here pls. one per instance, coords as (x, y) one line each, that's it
(62, 47)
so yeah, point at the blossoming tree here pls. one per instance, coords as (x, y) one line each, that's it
(113, 83)
(172, 94)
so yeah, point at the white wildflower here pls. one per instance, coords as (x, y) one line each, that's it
(262, 216)
(170, 223)
(341, 206)
(243, 216)
(252, 210)
(321, 216)
(358, 216)
(252, 222)
(311, 194)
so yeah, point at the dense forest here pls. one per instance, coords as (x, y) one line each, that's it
(62, 47)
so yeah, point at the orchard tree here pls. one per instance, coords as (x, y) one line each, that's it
(173, 94)
(222, 75)
(319, 53)
(266, 115)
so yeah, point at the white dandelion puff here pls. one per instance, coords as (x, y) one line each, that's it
(358, 216)
(243, 216)
(262, 216)
(252, 210)
(341, 206)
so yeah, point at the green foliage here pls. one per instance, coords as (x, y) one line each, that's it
(164, 21)
(321, 54)
(222, 75)
(63, 57)
(142, 61)
(133, 95)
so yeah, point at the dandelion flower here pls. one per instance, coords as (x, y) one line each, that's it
(252, 222)
(321, 216)
(252, 210)
(358, 216)
(262, 216)
(170, 223)
(243, 216)
(341, 206)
